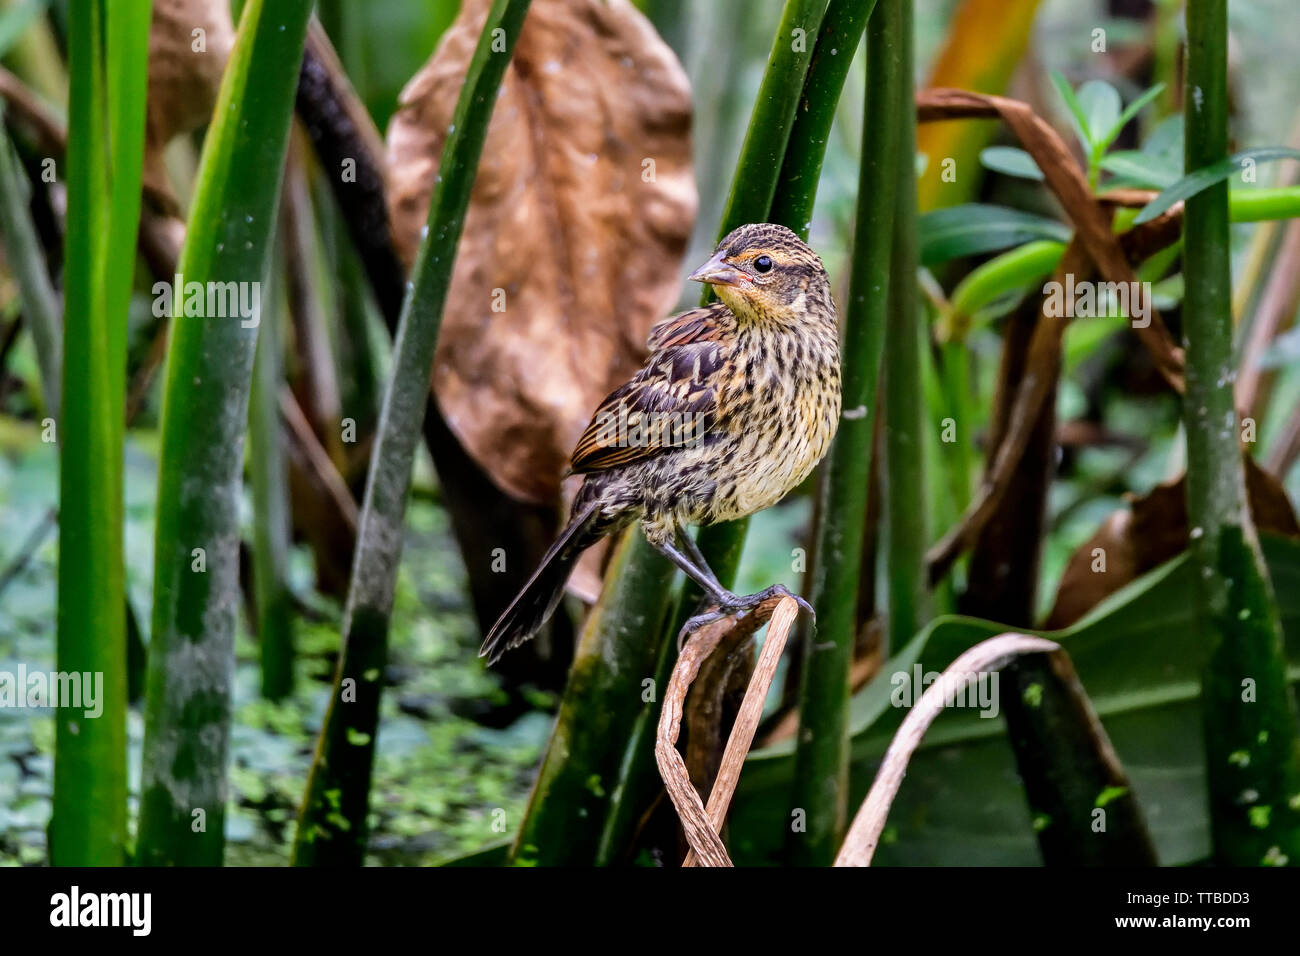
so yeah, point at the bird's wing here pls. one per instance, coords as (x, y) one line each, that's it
(669, 403)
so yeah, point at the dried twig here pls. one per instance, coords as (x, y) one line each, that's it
(1274, 311)
(160, 234)
(697, 823)
(318, 459)
(986, 656)
(45, 127)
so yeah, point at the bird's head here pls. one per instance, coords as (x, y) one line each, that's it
(764, 271)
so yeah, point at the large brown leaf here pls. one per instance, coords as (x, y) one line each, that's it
(1148, 533)
(565, 218)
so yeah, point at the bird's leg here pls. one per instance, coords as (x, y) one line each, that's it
(697, 569)
(695, 554)
(726, 601)
(701, 576)
(738, 602)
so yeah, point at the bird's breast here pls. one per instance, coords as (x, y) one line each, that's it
(784, 409)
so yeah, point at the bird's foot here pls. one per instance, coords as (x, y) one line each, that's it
(727, 604)
(780, 590)
(693, 624)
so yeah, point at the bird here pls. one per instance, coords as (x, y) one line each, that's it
(734, 406)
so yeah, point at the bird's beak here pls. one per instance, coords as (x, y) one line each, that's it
(717, 272)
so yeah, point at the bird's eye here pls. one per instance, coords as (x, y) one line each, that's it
(763, 264)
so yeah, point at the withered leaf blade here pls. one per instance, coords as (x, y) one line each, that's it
(577, 224)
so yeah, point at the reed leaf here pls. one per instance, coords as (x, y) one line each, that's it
(837, 42)
(802, 146)
(269, 482)
(578, 812)
(1252, 746)
(205, 409)
(760, 176)
(108, 50)
(904, 472)
(821, 775)
(331, 825)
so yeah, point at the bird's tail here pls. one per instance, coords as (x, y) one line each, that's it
(533, 606)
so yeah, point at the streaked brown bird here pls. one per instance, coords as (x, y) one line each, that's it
(734, 407)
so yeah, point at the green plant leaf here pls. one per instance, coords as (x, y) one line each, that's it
(1133, 109)
(108, 62)
(1078, 116)
(1082, 338)
(1264, 203)
(1140, 169)
(1007, 277)
(1101, 106)
(842, 492)
(1011, 161)
(803, 138)
(961, 803)
(205, 410)
(1202, 179)
(1158, 164)
(1168, 293)
(974, 229)
(495, 853)
(1167, 139)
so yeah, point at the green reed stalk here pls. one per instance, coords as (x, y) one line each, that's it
(205, 411)
(332, 822)
(1252, 745)
(108, 51)
(819, 797)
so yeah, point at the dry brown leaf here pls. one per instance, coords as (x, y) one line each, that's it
(1148, 533)
(702, 825)
(189, 43)
(587, 253)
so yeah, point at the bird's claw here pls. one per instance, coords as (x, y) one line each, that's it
(732, 603)
(780, 590)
